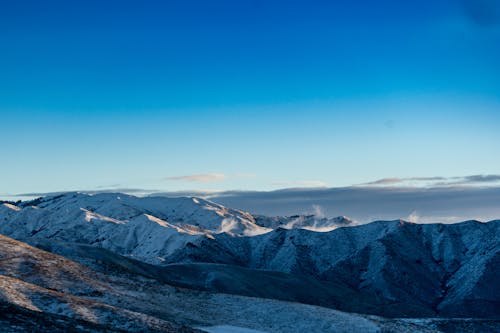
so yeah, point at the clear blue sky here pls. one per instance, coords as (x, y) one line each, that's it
(270, 94)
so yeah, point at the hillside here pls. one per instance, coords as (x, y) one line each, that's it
(387, 268)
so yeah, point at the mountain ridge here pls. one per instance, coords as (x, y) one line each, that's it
(411, 269)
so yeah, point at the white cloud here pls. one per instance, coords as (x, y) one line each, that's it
(202, 177)
(437, 181)
(368, 203)
(386, 181)
(210, 177)
(413, 217)
(318, 212)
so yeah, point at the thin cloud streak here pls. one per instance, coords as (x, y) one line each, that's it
(436, 181)
(202, 177)
(210, 177)
(482, 178)
(136, 191)
(386, 181)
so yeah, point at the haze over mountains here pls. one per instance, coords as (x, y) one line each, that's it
(443, 204)
(447, 200)
(387, 268)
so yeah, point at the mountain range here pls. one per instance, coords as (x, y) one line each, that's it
(184, 264)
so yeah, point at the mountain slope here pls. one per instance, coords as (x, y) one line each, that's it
(418, 270)
(66, 293)
(146, 228)
(399, 268)
(43, 282)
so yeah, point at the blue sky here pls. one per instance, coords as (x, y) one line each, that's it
(252, 95)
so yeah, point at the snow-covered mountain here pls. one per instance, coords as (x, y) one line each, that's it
(44, 292)
(149, 228)
(389, 268)
(307, 222)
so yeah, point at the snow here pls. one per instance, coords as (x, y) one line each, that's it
(60, 286)
(149, 228)
(145, 228)
(89, 216)
(12, 207)
(156, 229)
(162, 230)
(317, 222)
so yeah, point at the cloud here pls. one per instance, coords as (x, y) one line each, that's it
(210, 177)
(458, 199)
(202, 177)
(109, 190)
(110, 186)
(427, 178)
(470, 180)
(437, 181)
(482, 178)
(370, 203)
(131, 191)
(413, 217)
(393, 181)
(364, 204)
(386, 181)
(318, 211)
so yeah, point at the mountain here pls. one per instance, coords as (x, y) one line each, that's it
(39, 281)
(46, 292)
(308, 222)
(146, 228)
(149, 228)
(410, 269)
(386, 268)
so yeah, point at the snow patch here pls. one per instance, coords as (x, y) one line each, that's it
(89, 216)
(12, 207)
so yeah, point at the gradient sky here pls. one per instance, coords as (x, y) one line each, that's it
(246, 94)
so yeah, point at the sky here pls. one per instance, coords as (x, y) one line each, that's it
(247, 95)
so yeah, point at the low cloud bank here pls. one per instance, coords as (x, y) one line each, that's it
(361, 203)
(202, 177)
(423, 205)
(437, 181)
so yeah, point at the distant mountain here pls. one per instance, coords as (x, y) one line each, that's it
(389, 268)
(145, 228)
(410, 269)
(308, 222)
(149, 228)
